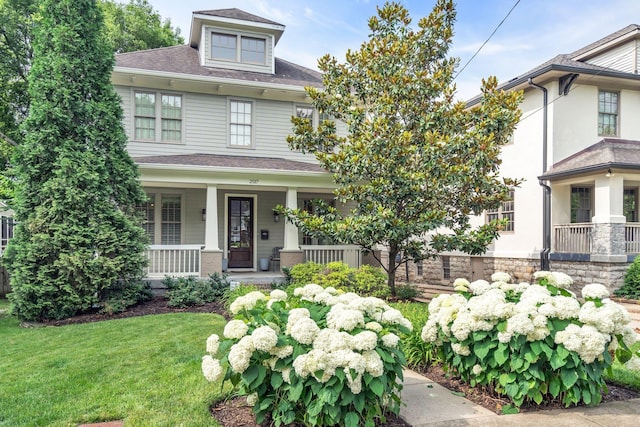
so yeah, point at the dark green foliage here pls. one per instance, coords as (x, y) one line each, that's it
(406, 292)
(118, 297)
(188, 291)
(78, 232)
(631, 287)
(287, 275)
(419, 353)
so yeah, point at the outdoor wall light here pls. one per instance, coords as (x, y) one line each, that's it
(609, 174)
(276, 216)
(204, 214)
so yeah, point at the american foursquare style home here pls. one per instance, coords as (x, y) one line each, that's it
(578, 149)
(208, 122)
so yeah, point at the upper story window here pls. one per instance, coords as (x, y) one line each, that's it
(305, 112)
(238, 48)
(240, 123)
(581, 204)
(608, 113)
(158, 121)
(505, 211)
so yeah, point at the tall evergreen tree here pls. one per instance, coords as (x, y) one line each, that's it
(77, 186)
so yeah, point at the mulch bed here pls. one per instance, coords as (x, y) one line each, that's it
(235, 412)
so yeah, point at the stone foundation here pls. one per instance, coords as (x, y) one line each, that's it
(290, 258)
(211, 262)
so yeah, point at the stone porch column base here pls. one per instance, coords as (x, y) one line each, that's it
(289, 258)
(211, 262)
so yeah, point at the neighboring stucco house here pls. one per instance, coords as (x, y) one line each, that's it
(579, 146)
(207, 124)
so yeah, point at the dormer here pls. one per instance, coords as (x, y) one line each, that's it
(234, 39)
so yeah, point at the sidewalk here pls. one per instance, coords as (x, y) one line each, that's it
(431, 405)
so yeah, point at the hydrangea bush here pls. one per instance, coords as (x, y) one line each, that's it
(320, 357)
(531, 342)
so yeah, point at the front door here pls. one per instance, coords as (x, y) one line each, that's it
(240, 237)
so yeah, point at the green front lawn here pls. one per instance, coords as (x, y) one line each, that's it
(143, 370)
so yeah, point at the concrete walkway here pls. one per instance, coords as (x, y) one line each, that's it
(428, 404)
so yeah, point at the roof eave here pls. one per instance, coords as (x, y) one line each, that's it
(197, 19)
(586, 170)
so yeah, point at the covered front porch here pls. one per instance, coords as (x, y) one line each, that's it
(209, 214)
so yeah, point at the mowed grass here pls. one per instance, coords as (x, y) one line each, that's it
(143, 370)
(623, 376)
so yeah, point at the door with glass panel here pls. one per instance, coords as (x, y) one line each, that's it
(240, 239)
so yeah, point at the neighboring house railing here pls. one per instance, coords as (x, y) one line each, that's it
(173, 260)
(632, 237)
(323, 254)
(573, 238)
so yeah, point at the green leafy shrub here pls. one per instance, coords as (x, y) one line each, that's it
(631, 287)
(302, 274)
(187, 291)
(317, 358)
(532, 343)
(119, 296)
(365, 281)
(219, 285)
(406, 292)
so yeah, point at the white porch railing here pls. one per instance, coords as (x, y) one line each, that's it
(173, 260)
(323, 254)
(632, 237)
(573, 238)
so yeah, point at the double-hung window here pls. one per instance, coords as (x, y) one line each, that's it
(608, 104)
(506, 210)
(581, 204)
(630, 204)
(305, 112)
(238, 48)
(158, 121)
(167, 208)
(240, 123)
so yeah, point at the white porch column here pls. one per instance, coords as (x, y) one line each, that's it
(211, 223)
(609, 199)
(290, 230)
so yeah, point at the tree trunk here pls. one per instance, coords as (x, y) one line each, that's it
(391, 272)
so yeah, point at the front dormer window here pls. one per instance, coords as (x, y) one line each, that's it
(238, 48)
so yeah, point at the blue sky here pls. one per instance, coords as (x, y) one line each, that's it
(536, 30)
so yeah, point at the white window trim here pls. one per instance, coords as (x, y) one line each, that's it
(617, 114)
(268, 44)
(253, 123)
(500, 214)
(158, 116)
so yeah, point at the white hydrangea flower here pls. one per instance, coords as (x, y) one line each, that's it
(365, 340)
(213, 342)
(348, 297)
(394, 317)
(235, 329)
(505, 337)
(342, 318)
(308, 292)
(633, 364)
(305, 330)
(286, 375)
(252, 399)
(629, 336)
(462, 350)
(374, 363)
(520, 323)
(430, 331)
(330, 340)
(477, 369)
(390, 340)
(282, 352)
(595, 291)
(373, 326)
(211, 368)
(501, 276)
(461, 285)
(294, 316)
(278, 295)
(610, 318)
(479, 287)
(264, 338)
(240, 354)
(246, 302)
(585, 340)
(325, 298)
(315, 360)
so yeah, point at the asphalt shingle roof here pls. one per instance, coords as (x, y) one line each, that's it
(605, 154)
(240, 162)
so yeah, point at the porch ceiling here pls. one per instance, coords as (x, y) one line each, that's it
(606, 154)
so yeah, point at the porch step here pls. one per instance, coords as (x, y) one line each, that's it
(255, 278)
(429, 292)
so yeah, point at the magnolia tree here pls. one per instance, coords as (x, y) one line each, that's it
(413, 160)
(319, 358)
(531, 342)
